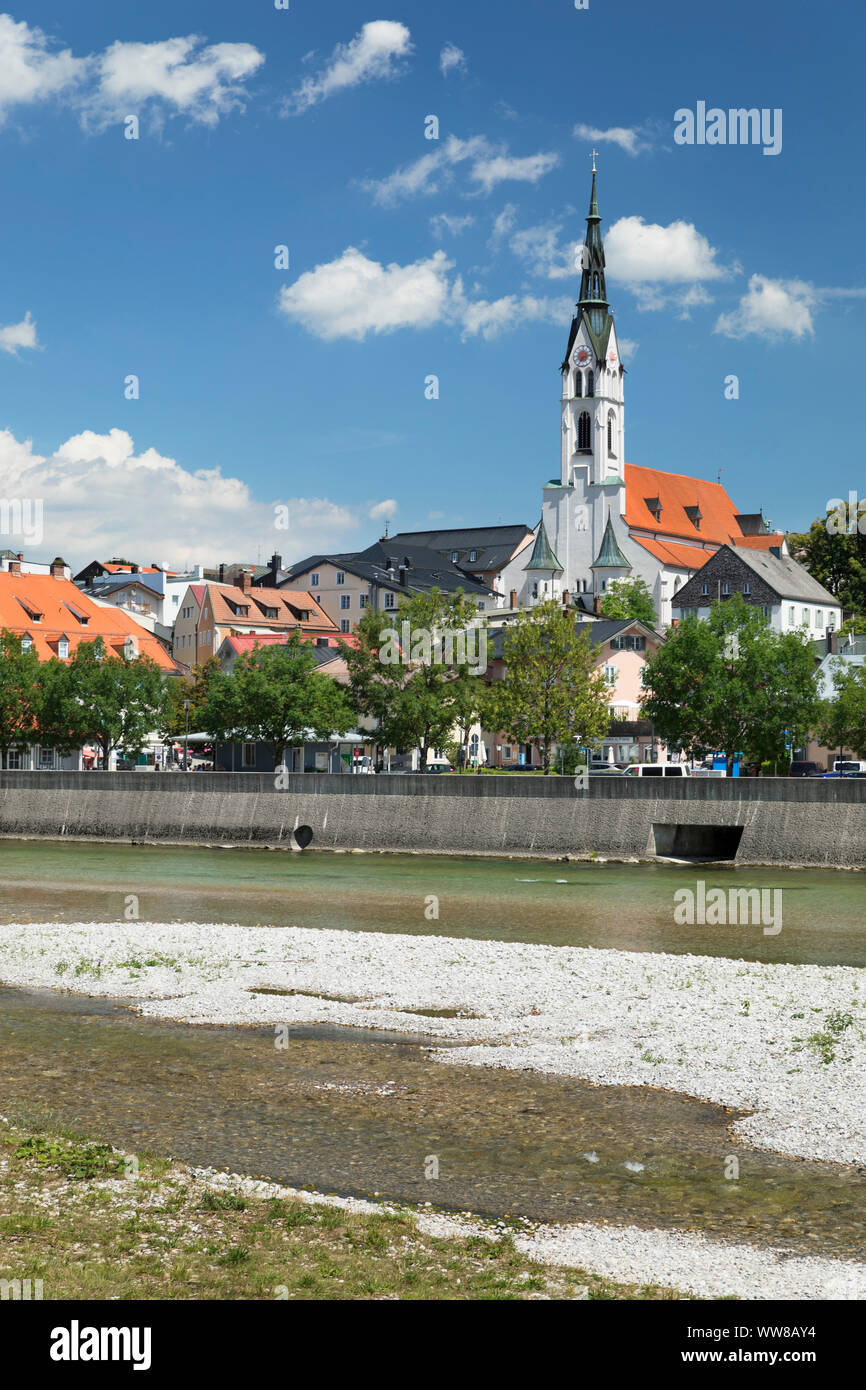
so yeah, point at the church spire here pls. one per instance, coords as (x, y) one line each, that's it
(593, 291)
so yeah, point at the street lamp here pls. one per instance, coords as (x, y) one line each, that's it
(186, 705)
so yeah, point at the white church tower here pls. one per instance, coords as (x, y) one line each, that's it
(590, 490)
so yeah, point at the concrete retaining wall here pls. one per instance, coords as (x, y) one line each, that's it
(784, 821)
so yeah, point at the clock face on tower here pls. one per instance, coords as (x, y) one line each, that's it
(611, 357)
(581, 357)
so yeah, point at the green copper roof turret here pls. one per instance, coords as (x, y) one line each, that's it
(543, 557)
(610, 557)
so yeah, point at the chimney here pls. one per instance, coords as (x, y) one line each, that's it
(245, 581)
(58, 568)
(15, 566)
(222, 574)
(675, 622)
(596, 606)
(565, 598)
(512, 599)
(832, 641)
(276, 566)
(403, 575)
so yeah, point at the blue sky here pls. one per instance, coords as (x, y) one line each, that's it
(411, 257)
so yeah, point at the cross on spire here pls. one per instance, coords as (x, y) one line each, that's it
(594, 154)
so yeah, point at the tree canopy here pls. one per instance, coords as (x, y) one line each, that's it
(732, 684)
(552, 692)
(629, 598)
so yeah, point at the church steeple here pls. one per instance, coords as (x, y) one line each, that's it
(593, 291)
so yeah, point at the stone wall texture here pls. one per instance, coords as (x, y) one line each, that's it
(755, 820)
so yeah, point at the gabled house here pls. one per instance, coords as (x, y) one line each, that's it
(789, 597)
(211, 612)
(378, 577)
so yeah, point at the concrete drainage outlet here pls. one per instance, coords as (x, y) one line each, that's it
(698, 841)
(301, 836)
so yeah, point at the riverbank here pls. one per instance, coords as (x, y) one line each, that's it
(786, 1042)
(171, 1231)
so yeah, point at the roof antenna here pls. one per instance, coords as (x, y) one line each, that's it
(385, 537)
(719, 476)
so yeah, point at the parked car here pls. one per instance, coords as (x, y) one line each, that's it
(805, 769)
(849, 765)
(606, 772)
(658, 770)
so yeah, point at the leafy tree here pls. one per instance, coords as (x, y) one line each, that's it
(732, 684)
(552, 690)
(836, 557)
(842, 722)
(194, 688)
(275, 695)
(19, 693)
(629, 598)
(112, 701)
(415, 670)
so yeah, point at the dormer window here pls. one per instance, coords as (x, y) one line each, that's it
(695, 516)
(83, 618)
(654, 506)
(455, 556)
(473, 556)
(30, 609)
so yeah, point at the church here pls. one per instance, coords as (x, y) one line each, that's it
(603, 519)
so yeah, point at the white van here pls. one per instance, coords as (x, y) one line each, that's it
(849, 765)
(657, 770)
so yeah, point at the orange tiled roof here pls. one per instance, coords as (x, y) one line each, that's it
(672, 553)
(675, 492)
(289, 604)
(46, 609)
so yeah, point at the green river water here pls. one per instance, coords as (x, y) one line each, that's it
(357, 1112)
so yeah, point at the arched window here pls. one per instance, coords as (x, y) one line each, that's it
(595, 287)
(583, 430)
(578, 383)
(590, 384)
(610, 448)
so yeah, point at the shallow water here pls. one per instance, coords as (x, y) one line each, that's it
(629, 907)
(361, 1117)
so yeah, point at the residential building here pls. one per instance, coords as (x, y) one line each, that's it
(787, 594)
(623, 649)
(379, 577)
(53, 617)
(211, 612)
(486, 553)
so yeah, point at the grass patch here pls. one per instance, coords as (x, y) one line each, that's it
(167, 1235)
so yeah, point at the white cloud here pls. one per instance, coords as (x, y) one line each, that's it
(98, 500)
(451, 59)
(490, 318)
(353, 296)
(503, 223)
(502, 168)
(489, 165)
(178, 74)
(18, 335)
(372, 54)
(175, 76)
(380, 510)
(443, 222)
(30, 68)
(771, 309)
(540, 249)
(627, 349)
(628, 138)
(639, 251)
